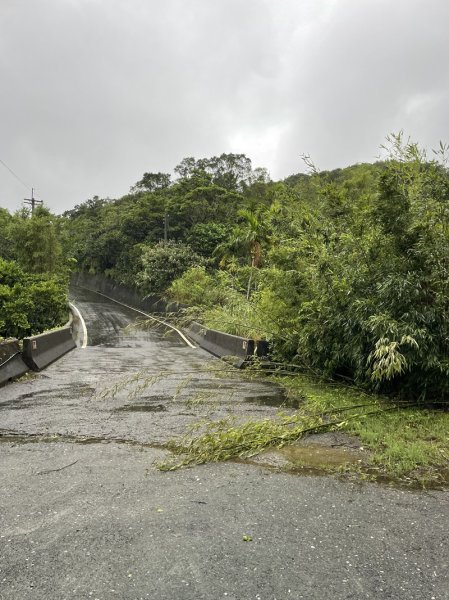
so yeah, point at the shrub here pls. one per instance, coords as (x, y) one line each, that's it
(29, 304)
(163, 263)
(197, 287)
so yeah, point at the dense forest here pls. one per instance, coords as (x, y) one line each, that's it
(345, 272)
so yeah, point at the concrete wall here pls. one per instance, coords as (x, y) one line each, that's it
(38, 352)
(127, 295)
(11, 361)
(41, 350)
(224, 344)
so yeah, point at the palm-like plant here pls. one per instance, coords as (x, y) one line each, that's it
(249, 236)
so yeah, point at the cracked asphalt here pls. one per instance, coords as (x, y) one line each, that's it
(84, 514)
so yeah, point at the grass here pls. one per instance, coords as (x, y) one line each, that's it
(405, 442)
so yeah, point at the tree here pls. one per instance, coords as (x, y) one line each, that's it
(152, 182)
(232, 172)
(249, 236)
(163, 263)
(6, 250)
(205, 237)
(37, 243)
(204, 203)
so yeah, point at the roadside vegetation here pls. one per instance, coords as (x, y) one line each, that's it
(33, 273)
(404, 441)
(344, 272)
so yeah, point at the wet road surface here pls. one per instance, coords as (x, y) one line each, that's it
(85, 514)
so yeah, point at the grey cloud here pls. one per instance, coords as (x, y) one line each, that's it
(370, 64)
(95, 92)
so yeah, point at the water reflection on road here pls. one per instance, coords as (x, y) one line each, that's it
(113, 325)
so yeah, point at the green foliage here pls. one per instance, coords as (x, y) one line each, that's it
(153, 181)
(404, 442)
(163, 263)
(104, 234)
(36, 242)
(223, 440)
(197, 287)
(203, 203)
(33, 272)
(237, 317)
(203, 238)
(6, 250)
(29, 304)
(247, 237)
(218, 296)
(48, 300)
(10, 273)
(229, 171)
(374, 307)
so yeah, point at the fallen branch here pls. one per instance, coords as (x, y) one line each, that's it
(55, 470)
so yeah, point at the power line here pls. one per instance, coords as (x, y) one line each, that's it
(32, 201)
(12, 173)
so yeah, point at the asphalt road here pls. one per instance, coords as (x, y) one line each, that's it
(84, 514)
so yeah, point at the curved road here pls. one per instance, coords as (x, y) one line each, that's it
(84, 514)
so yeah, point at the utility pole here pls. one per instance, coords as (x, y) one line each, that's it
(166, 217)
(32, 201)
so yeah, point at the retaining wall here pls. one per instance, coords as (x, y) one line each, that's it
(127, 295)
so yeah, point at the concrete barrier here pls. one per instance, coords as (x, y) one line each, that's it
(224, 344)
(11, 362)
(216, 342)
(41, 350)
(122, 293)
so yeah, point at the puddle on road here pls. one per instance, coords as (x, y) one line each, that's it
(349, 463)
(210, 385)
(141, 408)
(321, 456)
(278, 398)
(36, 394)
(314, 457)
(26, 400)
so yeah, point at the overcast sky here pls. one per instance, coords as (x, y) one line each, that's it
(96, 92)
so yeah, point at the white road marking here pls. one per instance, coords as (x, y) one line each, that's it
(83, 324)
(183, 337)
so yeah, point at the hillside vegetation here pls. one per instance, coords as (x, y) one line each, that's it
(344, 271)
